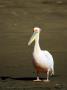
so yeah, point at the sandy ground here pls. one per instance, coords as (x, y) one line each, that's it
(17, 19)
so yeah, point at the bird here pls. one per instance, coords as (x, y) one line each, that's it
(42, 59)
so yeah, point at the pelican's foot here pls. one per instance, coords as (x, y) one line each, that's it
(37, 80)
(46, 80)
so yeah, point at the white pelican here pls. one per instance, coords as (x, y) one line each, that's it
(43, 60)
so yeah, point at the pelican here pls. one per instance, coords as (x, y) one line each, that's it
(42, 59)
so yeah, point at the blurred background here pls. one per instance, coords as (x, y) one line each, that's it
(17, 19)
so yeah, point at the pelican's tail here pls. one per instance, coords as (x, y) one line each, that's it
(52, 72)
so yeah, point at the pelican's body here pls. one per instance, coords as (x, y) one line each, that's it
(43, 60)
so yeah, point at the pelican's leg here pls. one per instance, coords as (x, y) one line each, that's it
(47, 80)
(48, 75)
(38, 79)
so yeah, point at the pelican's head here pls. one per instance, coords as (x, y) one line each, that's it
(36, 31)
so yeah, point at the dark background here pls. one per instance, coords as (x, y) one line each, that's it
(17, 19)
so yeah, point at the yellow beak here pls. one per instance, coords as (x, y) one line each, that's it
(32, 38)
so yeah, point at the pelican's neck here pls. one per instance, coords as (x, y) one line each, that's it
(37, 47)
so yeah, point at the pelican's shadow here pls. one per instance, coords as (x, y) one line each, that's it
(17, 78)
(23, 78)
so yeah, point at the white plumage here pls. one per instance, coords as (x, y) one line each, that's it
(43, 60)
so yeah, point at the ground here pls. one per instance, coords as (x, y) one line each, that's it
(17, 19)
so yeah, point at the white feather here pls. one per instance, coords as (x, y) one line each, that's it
(44, 59)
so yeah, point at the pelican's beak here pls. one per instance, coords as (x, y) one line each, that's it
(32, 38)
